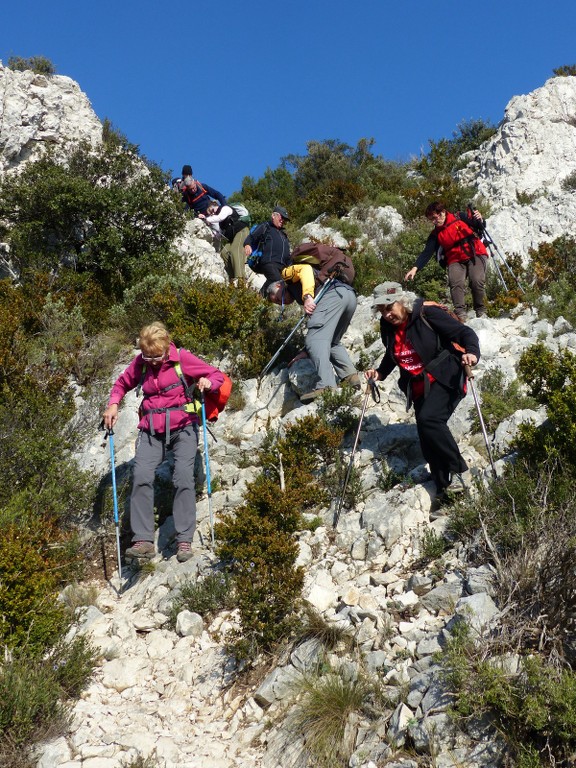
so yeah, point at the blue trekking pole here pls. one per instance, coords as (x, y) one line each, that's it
(321, 293)
(110, 435)
(207, 466)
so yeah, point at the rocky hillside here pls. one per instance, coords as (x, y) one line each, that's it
(169, 695)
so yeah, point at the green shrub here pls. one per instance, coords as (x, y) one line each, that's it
(209, 319)
(101, 213)
(568, 70)
(34, 696)
(322, 715)
(38, 64)
(206, 597)
(31, 571)
(533, 710)
(499, 400)
(257, 543)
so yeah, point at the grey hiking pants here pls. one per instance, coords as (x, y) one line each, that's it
(475, 271)
(150, 452)
(326, 326)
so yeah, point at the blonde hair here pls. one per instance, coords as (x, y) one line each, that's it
(154, 339)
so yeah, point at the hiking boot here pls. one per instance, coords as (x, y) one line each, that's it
(439, 505)
(307, 397)
(352, 381)
(457, 484)
(184, 552)
(141, 549)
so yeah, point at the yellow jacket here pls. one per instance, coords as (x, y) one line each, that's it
(303, 274)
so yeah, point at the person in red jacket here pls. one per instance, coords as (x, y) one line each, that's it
(165, 422)
(463, 252)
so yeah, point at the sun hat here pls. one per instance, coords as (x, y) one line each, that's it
(387, 293)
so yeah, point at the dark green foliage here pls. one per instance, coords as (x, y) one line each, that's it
(104, 213)
(258, 544)
(39, 477)
(551, 380)
(209, 319)
(38, 64)
(33, 698)
(499, 399)
(568, 70)
(534, 710)
(436, 171)
(206, 597)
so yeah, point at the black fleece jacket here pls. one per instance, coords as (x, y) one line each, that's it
(430, 343)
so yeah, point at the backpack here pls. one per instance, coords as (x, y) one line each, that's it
(254, 259)
(234, 223)
(243, 213)
(458, 349)
(469, 239)
(214, 402)
(326, 260)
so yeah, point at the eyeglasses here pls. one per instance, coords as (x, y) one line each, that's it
(153, 359)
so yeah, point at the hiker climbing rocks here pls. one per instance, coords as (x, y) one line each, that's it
(167, 420)
(271, 239)
(225, 221)
(462, 253)
(419, 338)
(196, 195)
(328, 319)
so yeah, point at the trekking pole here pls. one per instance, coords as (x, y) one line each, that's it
(470, 377)
(494, 249)
(492, 245)
(110, 436)
(321, 293)
(371, 389)
(207, 466)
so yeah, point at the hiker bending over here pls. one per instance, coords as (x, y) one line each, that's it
(196, 195)
(463, 254)
(328, 321)
(225, 222)
(167, 420)
(271, 239)
(418, 337)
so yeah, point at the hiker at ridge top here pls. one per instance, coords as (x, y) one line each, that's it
(164, 423)
(418, 339)
(272, 240)
(224, 220)
(196, 195)
(328, 321)
(465, 255)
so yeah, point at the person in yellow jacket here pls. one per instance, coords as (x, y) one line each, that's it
(328, 321)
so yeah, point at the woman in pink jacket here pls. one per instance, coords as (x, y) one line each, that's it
(167, 421)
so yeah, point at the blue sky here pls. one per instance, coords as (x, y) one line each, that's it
(232, 87)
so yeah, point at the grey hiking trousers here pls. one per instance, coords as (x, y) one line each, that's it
(475, 271)
(326, 326)
(150, 452)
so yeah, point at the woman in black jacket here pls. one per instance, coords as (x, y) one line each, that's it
(419, 338)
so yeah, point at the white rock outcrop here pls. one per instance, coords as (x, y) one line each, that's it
(37, 111)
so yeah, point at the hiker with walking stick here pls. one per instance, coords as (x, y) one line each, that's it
(431, 348)
(168, 420)
(329, 307)
(456, 236)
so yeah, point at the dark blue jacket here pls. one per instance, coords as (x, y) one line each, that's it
(200, 198)
(273, 243)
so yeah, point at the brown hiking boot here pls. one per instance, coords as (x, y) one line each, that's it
(141, 549)
(352, 381)
(307, 397)
(184, 552)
